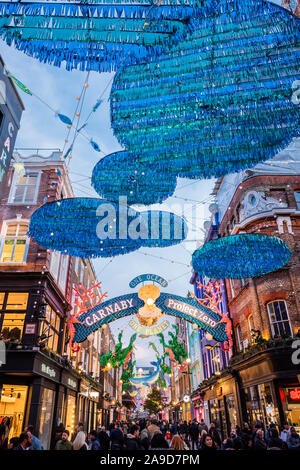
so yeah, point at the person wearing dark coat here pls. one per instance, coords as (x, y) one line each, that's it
(95, 444)
(103, 439)
(132, 441)
(259, 442)
(117, 438)
(25, 441)
(214, 434)
(158, 442)
(194, 433)
(275, 441)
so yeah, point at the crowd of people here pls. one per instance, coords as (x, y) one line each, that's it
(152, 434)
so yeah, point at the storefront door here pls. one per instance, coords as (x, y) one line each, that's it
(46, 418)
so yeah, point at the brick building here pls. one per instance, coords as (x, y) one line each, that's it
(42, 382)
(265, 310)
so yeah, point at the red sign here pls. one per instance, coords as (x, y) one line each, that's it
(294, 395)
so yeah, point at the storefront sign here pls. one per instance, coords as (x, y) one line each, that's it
(148, 277)
(30, 329)
(72, 383)
(109, 309)
(294, 395)
(190, 310)
(149, 331)
(69, 381)
(47, 370)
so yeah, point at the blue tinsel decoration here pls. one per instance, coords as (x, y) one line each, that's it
(241, 256)
(219, 102)
(94, 36)
(123, 174)
(72, 227)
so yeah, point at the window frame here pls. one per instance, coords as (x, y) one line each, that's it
(239, 337)
(54, 330)
(14, 186)
(281, 321)
(4, 236)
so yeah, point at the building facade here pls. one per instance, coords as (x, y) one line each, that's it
(11, 108)
(42, 382)
(261, 382)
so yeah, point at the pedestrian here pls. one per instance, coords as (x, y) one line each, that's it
(14, 441)
(214, 434)
(202, 426)
(293, 441)
(208, 443)
(64, 443)
(158, 442)
(285, 433)
(145, 438)
(36, 444)
(259, 442)
(103, 439)
(236, 440)
(132, 441)
(95, 444)
(173, 429)
(194, 434)
(275, 441)
(25, 441)
(80, 442)
(178, 444)
(117, 438)
(183, 429)
(153, 427)
(3, 437)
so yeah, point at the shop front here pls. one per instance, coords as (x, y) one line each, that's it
(69, 417)
(220, 404)
(88, 406)
(290, 400)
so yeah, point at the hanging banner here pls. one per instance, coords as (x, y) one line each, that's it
(146, 331)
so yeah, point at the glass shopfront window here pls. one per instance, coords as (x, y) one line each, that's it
(261, 405)
(70, 413)
(214, 411)
(13, 400)
(13, 306)
(46, 417)
(231, 410)
(267, 403)
(290, 398)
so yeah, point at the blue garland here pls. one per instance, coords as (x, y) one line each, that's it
(241, 256)
(218, 103)
(72, 227)
(99, 37)
(123, 174)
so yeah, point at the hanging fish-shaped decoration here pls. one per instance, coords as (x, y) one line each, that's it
(18, 83)
(95, 146)
(64, 119)
(98, 103)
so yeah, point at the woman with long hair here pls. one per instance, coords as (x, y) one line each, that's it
(208, 443)
(177, 443)
(79, 442)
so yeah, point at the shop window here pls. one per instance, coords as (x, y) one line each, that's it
(215, 360)
(239, 337)
(51, 328)
(2, 294)
(12, 408)
(12, 317)
(297, 197)
(70, 414)
(17, 301)
(15, 243)
(46, 417)
(24, 189)
(59, 268)
(279, 318)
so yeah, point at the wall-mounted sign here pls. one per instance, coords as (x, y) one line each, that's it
(47, 370)
(294, 395)
(30, 328)
(150, 278)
